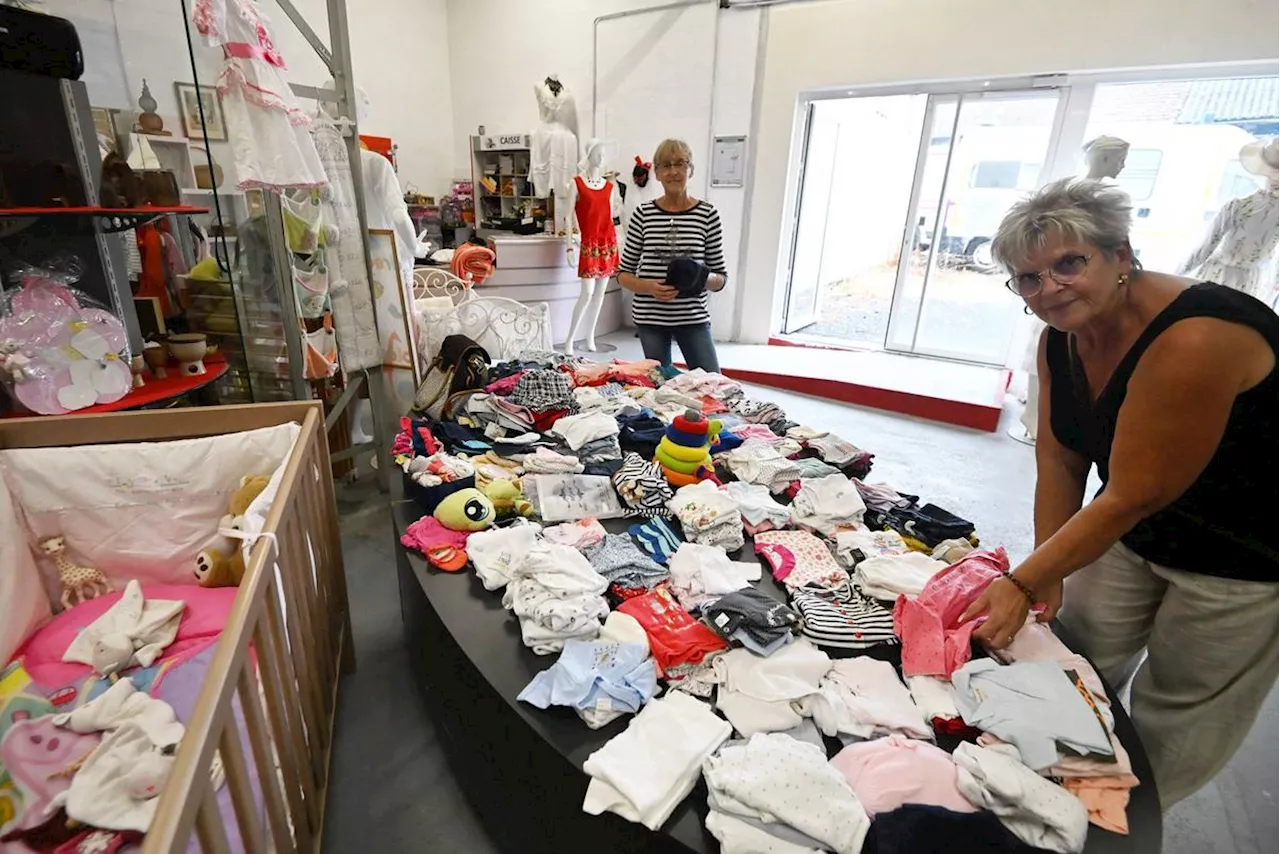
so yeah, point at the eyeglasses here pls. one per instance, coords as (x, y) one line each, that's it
(677, 165)
(1067, 270)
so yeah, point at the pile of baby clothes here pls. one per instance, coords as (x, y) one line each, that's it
(676, 639)
(761, 693)
(781, 783)
(843, 618)
(644, 773)
(799, 559)
(592, 436)
(827, 505)
(556, 595)
(701, 574)
(753, 619)
(628, 570)
(763, 463)
(708, 516)
(862, 697)
(642, 487)
(934, 642)
(600, 680)
(760, 512)
(1101, 782)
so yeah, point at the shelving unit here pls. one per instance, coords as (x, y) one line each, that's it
(504, 194)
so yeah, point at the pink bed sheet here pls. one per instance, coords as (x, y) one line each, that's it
(202, 620)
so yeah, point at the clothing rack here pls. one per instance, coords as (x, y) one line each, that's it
(337, 59)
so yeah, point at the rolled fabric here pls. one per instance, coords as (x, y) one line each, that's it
(684, 453)
(471, 263)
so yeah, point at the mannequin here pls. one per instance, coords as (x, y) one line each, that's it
(592, 203)
(1105, 156)
(1242, 240)
(555, 144)
(1104, 160)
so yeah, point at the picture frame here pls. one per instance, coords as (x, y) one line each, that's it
(104, 126)
(396, 332)
(190, 98)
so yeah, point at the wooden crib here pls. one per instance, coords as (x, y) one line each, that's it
(291, 611)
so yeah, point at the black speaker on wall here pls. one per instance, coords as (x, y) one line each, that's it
(39, 44)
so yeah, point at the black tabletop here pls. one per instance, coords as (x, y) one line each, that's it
(490, 637)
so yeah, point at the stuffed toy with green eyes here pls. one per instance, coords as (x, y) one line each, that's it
(466, 510)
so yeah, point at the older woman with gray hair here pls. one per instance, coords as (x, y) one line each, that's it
(1169, 387)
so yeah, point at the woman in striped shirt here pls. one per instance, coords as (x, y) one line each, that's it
(671, 299)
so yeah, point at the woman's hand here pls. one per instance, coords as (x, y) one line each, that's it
(1006, 609)
(659, 290)
(1052, 603)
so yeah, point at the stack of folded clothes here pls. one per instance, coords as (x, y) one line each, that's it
(708, 516)
(754, 619)
(557, 596)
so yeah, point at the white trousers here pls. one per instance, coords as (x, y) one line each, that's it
(1211, 661)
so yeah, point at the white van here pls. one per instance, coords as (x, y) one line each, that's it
(1178, 176)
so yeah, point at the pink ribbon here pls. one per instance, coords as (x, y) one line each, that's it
(244, 50)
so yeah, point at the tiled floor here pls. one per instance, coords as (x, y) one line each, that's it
(393, 792)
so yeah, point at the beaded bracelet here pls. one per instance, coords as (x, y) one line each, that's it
(1026, 591)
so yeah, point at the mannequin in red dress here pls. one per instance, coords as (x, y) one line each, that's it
(593, 201)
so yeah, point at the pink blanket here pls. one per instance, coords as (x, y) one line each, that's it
(206, 612)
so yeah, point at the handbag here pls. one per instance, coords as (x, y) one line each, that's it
(459, 369)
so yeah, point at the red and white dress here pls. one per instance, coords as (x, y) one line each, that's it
(594, 210)
(267, 129)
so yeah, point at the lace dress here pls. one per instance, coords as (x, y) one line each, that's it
(553, 160)
(1240, 244)
(267, 130)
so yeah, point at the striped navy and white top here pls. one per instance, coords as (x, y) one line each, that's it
(654, 237)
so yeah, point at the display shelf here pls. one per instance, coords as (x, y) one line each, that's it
(155, 391)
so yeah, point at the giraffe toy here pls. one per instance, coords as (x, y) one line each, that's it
(85, 582)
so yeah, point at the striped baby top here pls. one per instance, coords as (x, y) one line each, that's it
(654, 237)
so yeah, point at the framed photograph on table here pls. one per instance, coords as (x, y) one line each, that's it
(190, 99)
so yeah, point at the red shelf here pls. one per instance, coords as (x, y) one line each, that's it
(155, 391)
(109, 219)
(97, 210)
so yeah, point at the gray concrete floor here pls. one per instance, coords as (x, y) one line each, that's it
(392, 790)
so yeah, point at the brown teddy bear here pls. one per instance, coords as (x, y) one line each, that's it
(222, 565)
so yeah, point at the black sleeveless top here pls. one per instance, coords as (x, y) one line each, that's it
(1225, 523)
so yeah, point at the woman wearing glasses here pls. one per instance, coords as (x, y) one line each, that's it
(672, 257)
(1169, 386)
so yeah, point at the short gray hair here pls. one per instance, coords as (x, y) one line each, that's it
(1077, 209)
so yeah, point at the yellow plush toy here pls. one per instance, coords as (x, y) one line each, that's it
(507, 498)
(222, 565)
(466, 510)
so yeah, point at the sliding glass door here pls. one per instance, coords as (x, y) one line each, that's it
(900, 195)
(985, 150)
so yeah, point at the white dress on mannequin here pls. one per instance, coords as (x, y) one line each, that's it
(553, 159)
(1240, 243)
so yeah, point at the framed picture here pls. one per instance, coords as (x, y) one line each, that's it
(104, 125)
(396, 331)
(190, 99)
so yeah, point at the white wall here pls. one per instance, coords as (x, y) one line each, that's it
(860, 42)
(399, 53)
(684, 73)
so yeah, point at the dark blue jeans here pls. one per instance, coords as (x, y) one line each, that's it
(696, 344)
